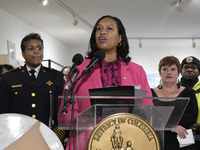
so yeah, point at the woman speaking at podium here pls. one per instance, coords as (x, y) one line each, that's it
(116, 69)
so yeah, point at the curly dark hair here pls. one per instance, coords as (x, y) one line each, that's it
(122, 51)
(29, 37)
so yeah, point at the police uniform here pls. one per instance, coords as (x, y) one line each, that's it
(195, 85)
(19, 93)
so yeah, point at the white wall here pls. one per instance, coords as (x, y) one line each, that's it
(14, 29)
(153, 51)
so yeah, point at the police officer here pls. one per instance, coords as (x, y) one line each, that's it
(27, 89)
(190, 70)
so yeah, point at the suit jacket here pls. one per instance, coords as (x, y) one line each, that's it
(131, 74)
(19, 93)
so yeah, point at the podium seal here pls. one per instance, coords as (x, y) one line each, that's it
(123, 131)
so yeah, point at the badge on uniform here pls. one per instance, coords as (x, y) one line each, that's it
(49, 83)
(16, 86)
(189, 59)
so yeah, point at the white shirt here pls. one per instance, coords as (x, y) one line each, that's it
(36, 70)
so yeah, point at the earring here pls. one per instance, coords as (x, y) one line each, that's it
(119, 44)
(178, 84)
(160, 85)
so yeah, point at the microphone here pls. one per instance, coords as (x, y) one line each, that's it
(77, 60)
(97, 57)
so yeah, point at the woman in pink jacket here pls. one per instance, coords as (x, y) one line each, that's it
(116, 69)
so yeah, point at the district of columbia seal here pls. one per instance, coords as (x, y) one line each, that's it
(123, 131)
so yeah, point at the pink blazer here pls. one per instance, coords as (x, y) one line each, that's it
(131, 74)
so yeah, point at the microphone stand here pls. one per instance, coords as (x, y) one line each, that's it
(86, 70)
(67, 86)
(72, 122)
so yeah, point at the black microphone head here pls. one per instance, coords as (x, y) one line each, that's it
(99, 54)
(78, 58)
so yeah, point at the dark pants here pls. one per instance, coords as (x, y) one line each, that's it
(197, 142)
(197, 145)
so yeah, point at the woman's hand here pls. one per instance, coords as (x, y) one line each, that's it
(181, 131)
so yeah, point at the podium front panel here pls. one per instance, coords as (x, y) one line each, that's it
(164, 115)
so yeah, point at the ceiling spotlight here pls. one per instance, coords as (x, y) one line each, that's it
(140, 43)
(44, 2)
(193, 44)
(178, 5)
(75, 22)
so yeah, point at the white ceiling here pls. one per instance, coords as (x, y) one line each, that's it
(141, 18)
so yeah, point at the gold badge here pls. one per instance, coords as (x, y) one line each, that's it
(49, 83)
(123, 132)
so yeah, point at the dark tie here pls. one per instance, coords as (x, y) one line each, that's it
(32, 73)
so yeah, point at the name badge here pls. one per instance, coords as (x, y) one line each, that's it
(16, 86)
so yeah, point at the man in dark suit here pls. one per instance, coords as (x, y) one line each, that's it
(26, 90)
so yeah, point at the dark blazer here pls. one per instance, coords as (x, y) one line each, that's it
(19, 93)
